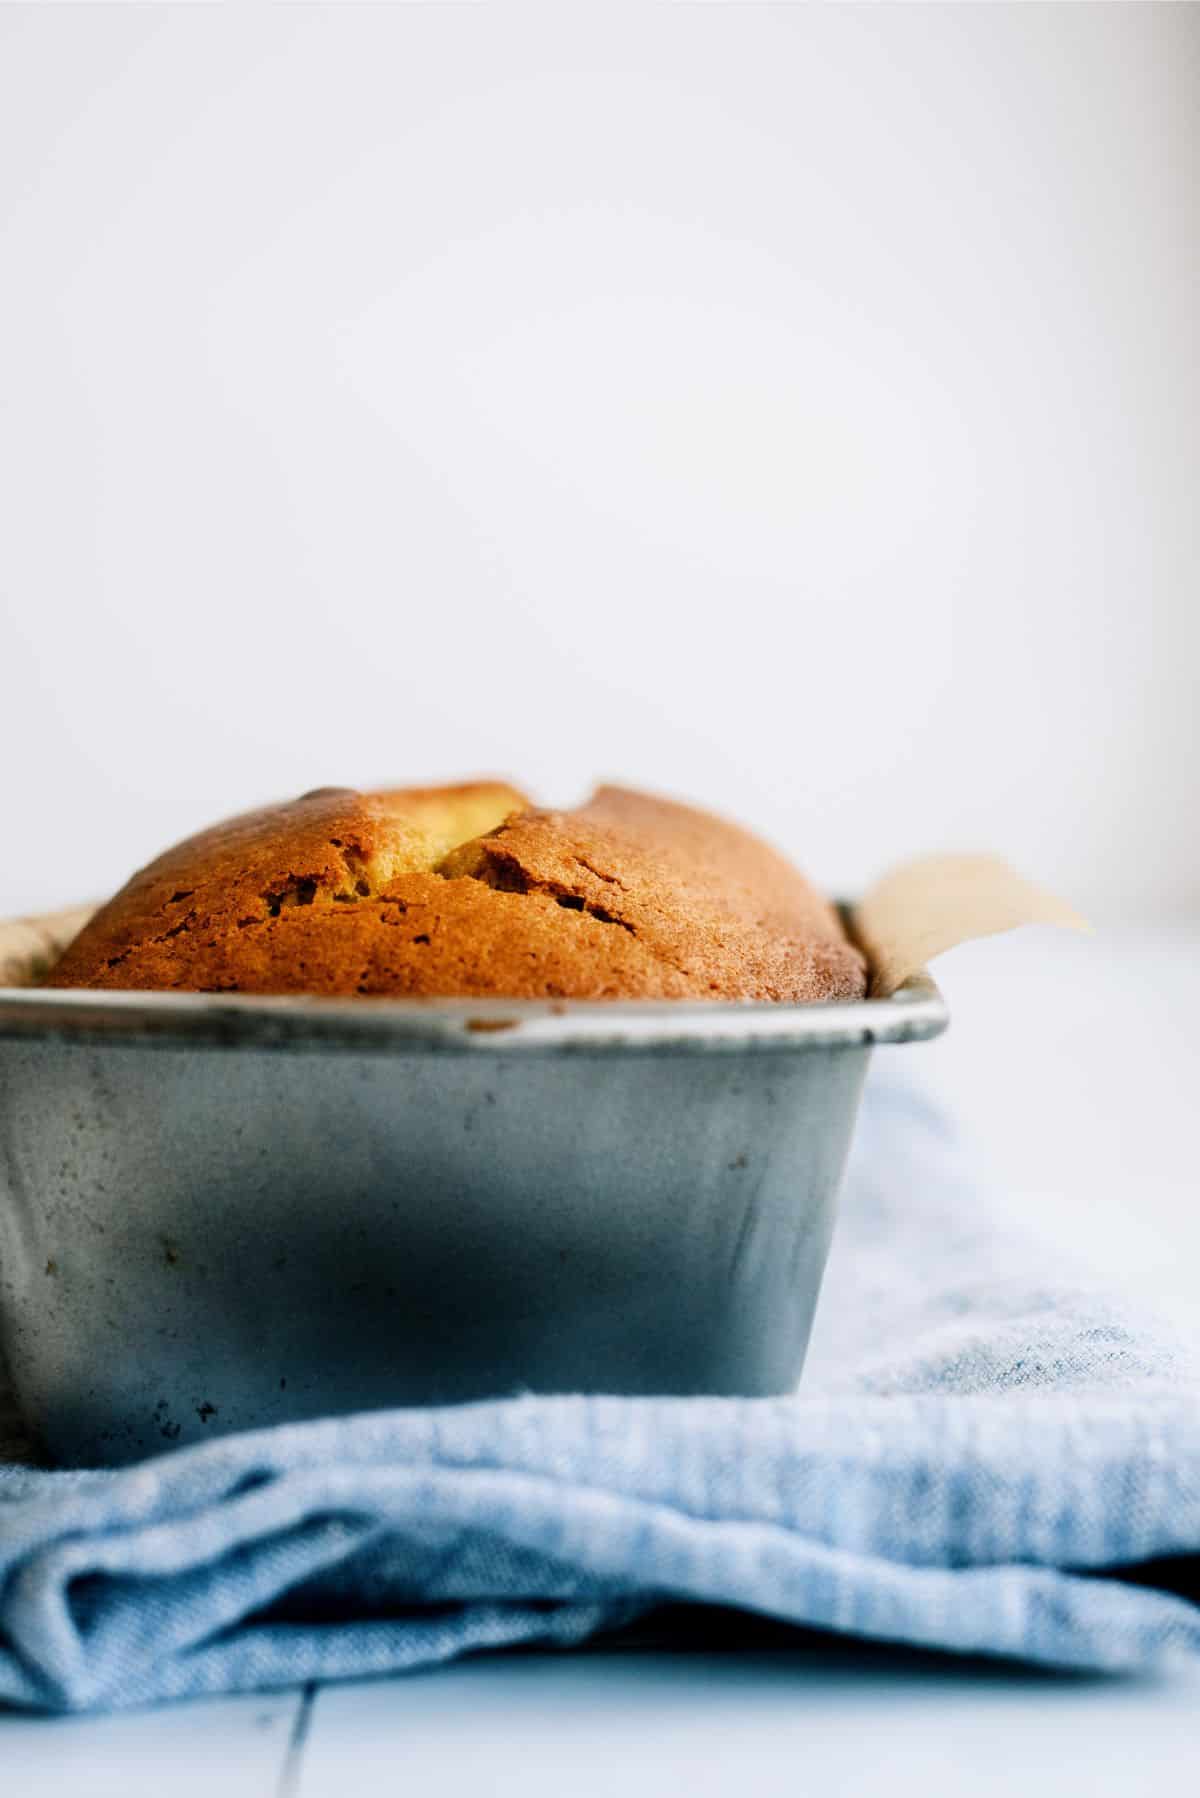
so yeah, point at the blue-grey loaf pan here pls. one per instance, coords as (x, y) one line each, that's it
(219, 1213)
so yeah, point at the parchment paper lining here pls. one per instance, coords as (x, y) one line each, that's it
(935, 902)
(29, 947)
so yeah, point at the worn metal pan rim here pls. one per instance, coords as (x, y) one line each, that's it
(475, 1026)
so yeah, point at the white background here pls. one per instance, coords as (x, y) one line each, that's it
(794, 408)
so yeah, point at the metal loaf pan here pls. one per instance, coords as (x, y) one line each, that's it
(218, 1213)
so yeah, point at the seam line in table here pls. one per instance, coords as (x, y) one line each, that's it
(289, 1774)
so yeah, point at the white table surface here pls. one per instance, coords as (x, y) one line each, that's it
(1076, 1063)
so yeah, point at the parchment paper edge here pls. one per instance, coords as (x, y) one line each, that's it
(923, 907)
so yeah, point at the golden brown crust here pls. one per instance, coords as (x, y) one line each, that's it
(467, 891)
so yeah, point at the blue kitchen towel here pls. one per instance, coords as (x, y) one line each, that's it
(988, 1454)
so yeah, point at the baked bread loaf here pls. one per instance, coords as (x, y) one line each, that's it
(469, 891)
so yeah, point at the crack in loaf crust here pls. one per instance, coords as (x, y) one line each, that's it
(470, 891)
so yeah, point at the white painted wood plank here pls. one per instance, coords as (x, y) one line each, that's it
(768, 1723)
(213, 1748)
